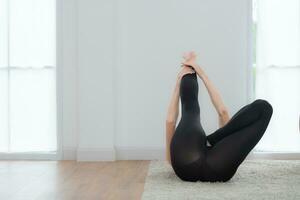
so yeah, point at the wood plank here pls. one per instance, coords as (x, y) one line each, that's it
(71, 180)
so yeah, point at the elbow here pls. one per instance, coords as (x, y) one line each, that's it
(171, 117)
(223, 113)
(223, 117)
(170, 121)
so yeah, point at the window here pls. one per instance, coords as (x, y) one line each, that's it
(27, 76)
(276, 30)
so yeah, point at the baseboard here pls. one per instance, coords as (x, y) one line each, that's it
(151, 153)
(274, 155)
(117, 153)
(29, 156)
(140, 153)
(69, 153)
(96, 154)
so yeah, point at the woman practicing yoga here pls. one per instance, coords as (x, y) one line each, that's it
(186, 145)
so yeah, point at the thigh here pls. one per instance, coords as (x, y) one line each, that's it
(244, 117)
(225, 157)
(189, 172)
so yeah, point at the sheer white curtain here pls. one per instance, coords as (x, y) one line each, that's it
(27, 75)
(278, 71)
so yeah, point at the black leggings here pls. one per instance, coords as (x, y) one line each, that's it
(192, 159)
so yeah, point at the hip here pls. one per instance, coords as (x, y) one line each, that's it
(198, 170)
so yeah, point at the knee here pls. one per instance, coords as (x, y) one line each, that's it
(261, 102)
(265, 105)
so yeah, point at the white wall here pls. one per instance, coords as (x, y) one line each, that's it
(128, 53)
(96, 78)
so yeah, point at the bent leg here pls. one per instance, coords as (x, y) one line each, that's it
(228, 153)
(244, 117)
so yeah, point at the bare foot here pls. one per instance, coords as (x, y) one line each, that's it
(189, 59)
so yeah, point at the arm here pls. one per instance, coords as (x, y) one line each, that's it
(171, 120)
(214, 96)
(172, 113)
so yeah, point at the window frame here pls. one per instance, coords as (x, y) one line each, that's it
(254, 154)
(58, 154)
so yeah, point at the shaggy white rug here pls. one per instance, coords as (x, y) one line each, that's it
(255, 179)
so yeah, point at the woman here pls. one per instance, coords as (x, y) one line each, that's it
(195, 156)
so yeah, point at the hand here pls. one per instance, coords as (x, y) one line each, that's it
(189, 59)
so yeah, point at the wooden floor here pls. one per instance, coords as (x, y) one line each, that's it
(47, 180)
